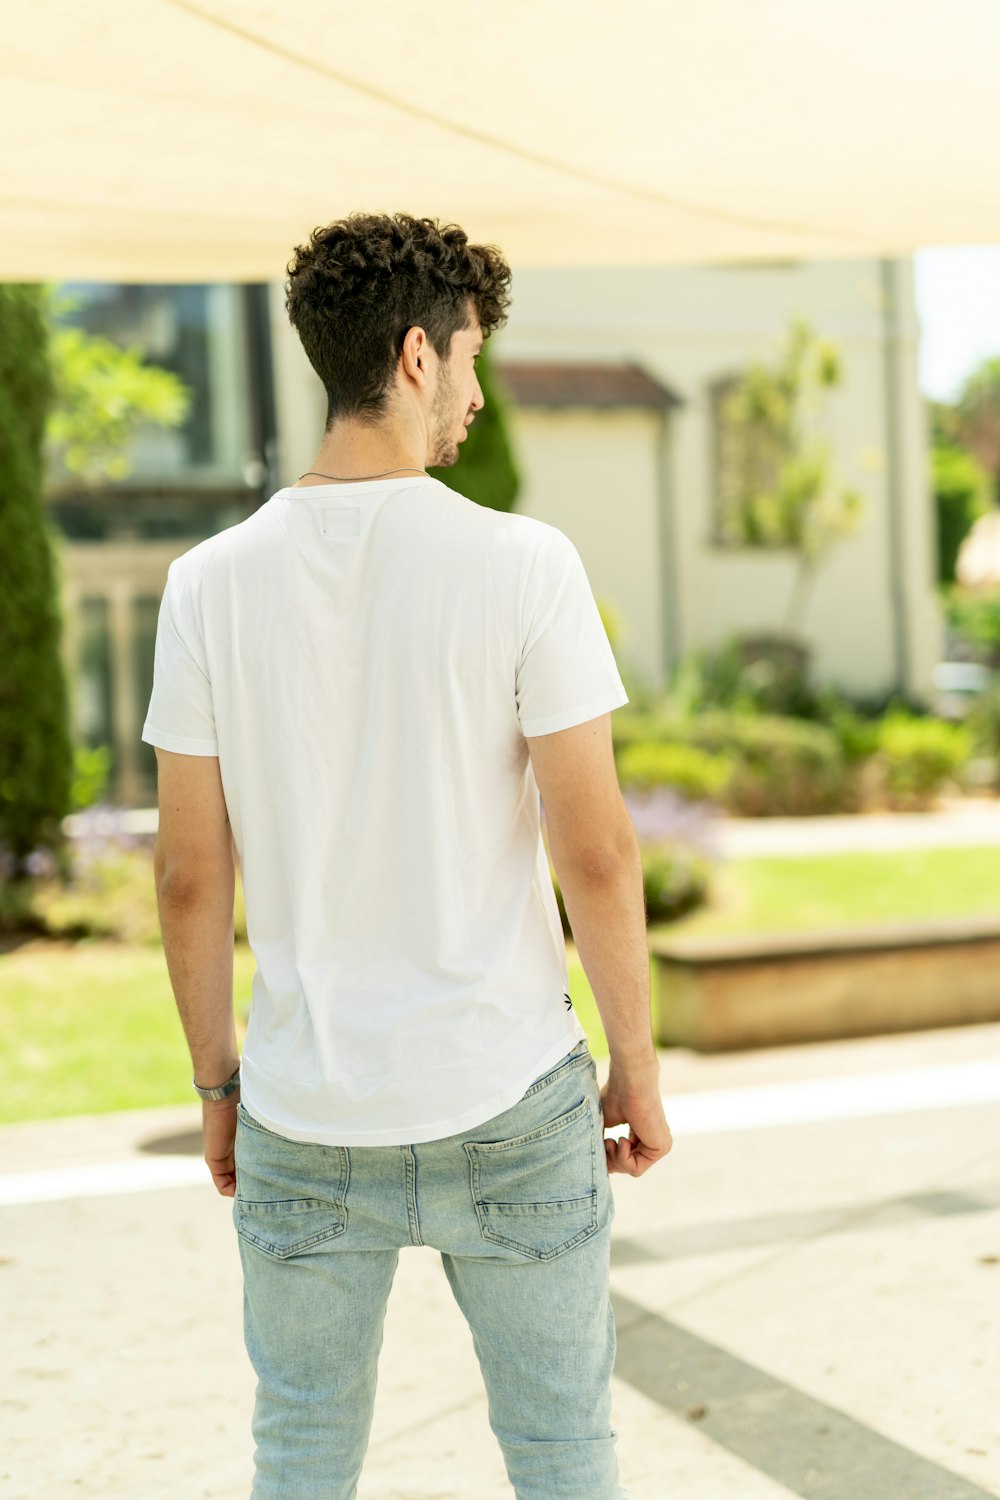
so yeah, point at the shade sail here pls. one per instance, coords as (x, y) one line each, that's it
(199, 140)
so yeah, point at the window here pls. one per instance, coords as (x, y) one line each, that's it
(744, 461)
(198, 333)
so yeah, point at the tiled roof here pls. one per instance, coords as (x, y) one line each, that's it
(547, 383)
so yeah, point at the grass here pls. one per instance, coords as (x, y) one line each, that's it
(835, 890)
(92, 1026)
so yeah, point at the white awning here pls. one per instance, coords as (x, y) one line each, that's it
(200, 140)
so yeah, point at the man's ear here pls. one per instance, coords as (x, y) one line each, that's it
(414, 353)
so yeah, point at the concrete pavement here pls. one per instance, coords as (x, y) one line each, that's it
(807, 1296)
(958, 823)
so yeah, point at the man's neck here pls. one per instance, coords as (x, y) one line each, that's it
(350, 453)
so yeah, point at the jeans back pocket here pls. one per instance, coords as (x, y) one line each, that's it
(536, 1193)
(291, 1196)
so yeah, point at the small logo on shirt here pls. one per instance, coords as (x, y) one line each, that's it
(569, 1003)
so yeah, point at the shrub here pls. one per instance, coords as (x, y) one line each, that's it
(973, 621)
(676, 880)
(983, 724)
(888, 750)
(692, 772)
(91, 772)
(109, 893)
(629, 726)
(917, 757)
(780, 766)
(777, 765)
(961, 494)
(856, 736)
(17, 907)
(747, 674)
(112, 897)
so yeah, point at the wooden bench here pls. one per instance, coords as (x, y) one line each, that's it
(717, 994)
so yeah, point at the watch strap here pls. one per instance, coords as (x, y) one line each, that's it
(223, 1091)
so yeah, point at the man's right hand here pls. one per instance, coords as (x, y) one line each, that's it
(638, 1105)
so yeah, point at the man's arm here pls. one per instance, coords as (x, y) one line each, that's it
(598, 861)
(195, 874)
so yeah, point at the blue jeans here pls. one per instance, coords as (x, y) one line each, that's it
(520, 1208)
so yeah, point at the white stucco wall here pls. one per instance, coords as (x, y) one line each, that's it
(300, 402)
(593, 474)
(690, 327)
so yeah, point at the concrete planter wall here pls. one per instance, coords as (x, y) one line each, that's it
(723, 993)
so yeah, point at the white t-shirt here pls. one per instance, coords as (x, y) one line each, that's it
(365, 659)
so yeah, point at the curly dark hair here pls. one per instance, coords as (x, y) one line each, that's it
(361, 282)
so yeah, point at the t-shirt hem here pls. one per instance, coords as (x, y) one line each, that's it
(179, 743)
(406, 1135)
(579, 715)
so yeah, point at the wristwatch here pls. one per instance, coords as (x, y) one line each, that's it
(229, 1087)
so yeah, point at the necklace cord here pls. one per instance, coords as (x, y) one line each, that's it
(351, 478)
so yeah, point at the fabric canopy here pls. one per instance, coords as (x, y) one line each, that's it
(200, 140)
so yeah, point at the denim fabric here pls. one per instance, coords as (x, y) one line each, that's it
(520, 1209)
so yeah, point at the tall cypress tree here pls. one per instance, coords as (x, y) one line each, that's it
(36, 753)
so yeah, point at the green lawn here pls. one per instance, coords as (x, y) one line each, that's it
(93, 1026)
(834, 890)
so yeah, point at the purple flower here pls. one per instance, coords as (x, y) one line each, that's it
(662, 815)
(100, 830)
(41, 863)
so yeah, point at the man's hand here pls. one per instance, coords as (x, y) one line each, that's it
(637, 1104)
(219, 1137)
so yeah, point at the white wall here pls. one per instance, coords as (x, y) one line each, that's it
(690, 327)
(593, 474)
(300, 401)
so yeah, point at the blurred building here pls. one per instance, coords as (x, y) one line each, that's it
(629, 458)
(186, 484)
(616, 379)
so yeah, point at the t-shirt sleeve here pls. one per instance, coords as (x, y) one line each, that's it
(567, 672)
(180, 715)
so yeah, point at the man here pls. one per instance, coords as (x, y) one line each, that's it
(365, 688)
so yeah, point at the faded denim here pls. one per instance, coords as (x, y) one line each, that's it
(520, 1209)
